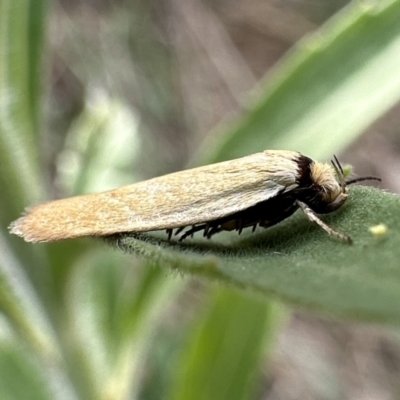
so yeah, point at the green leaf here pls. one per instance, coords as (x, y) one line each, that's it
(20, 49)
(20, 180)
(113, 312)
(227, 341)
(33, 337)
(300, 264)
(15, 368)
(328, 89)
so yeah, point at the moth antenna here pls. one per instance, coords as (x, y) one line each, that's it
(339, 171)
(338, 164)
(360, 179)
(363, 178)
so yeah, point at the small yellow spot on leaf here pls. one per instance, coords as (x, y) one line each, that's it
(378, 230)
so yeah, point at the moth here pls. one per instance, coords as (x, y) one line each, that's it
(257, 190)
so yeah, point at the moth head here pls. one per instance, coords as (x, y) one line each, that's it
(329, 188)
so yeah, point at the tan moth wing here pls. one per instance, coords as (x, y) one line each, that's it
(171, 201)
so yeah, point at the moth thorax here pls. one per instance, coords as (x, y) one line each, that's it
(329, 194)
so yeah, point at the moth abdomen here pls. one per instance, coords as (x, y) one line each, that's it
(265, 214)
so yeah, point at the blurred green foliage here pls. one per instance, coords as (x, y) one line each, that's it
(79, 319)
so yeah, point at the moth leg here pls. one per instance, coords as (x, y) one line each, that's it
(179, 230)
(215, 229)
(239, 226)
(169, 233)
(254, 228)
(206, 229)
(191, 231)
(313, 218)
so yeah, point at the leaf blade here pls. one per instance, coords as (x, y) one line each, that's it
(301, 265)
